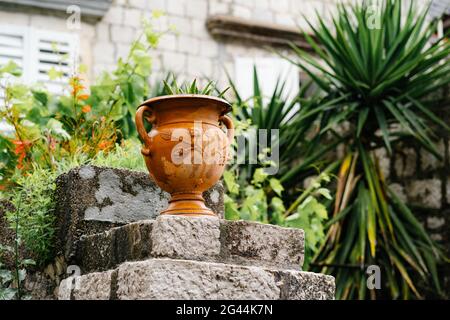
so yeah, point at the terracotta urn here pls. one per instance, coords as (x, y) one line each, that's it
(187, 149)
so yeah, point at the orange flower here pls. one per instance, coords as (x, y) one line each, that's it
(87, 108)
(104, 145)
(21, 151)
(83, 97)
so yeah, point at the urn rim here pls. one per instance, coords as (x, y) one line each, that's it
(216, 100)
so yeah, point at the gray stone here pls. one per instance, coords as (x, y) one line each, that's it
(306, 286)
(93, 286)
(93, 199)
(187, 238)
(107, 250)
(405, 163)
(435, 222)
(384, 161)
(425, 193)
(201, 238)
(186, 279)
(428, 161)
(448, 190)
(247, 242)
(399, 191)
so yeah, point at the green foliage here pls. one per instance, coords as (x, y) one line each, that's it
(11, 280)
(82, 122)
(252, 202)
(126, 156)
(35, 211)
(171, 87)
(382, 79)
(52, 134)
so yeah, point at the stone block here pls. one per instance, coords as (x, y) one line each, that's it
(246, 242)
(93, 286)
(202, 238)
(399, 191)
(428, 161)
(425, 193)
(168, 42)
(197, 9)
(209, 48)
(123, 34)
(104, 52)
(132, 17)
(405, 163)
(187, 44)
(435, 222)
(114, 15)
(448, 190)
(181, 24)
(93, 199)
(186, 279)
(174, 62)
(241, 11)
(140, 4)
(176, 7)
(199, 65)
(216, 7)
(384, 161)
(187, 238)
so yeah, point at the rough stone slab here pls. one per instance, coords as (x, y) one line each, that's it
(272, 246)
(193, 238)
(92, 199)
(108, 249)
(187, 279)
(93, 286)
(186, 237)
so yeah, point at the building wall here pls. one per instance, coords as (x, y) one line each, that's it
(193, 52)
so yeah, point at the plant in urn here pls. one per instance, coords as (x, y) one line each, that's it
(186, 150)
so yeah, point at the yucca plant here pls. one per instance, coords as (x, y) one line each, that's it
(295, 124)
(384, 77)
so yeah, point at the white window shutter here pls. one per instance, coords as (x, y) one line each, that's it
(43, 57)
(14, 44)
(33, 50)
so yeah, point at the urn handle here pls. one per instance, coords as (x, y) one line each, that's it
(146, 112)
(226, 120)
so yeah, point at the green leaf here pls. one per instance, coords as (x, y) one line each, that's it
(230, 182)
(11, 68)
(276, 186)
(259, 176)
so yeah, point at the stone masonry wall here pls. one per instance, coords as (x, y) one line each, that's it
(193, 52)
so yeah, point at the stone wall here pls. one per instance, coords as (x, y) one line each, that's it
(193, 52)
(423, 182)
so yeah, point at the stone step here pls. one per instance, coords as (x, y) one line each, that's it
(202, 239)
(186, 279)
(92, 199)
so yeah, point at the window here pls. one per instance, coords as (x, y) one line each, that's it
(37, 51)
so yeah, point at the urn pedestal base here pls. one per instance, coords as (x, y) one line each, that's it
(188, 204)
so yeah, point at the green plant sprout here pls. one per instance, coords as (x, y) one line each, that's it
(210, 89)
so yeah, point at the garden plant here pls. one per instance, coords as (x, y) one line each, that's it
(387, 79)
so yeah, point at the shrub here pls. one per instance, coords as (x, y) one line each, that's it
(383, 79)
